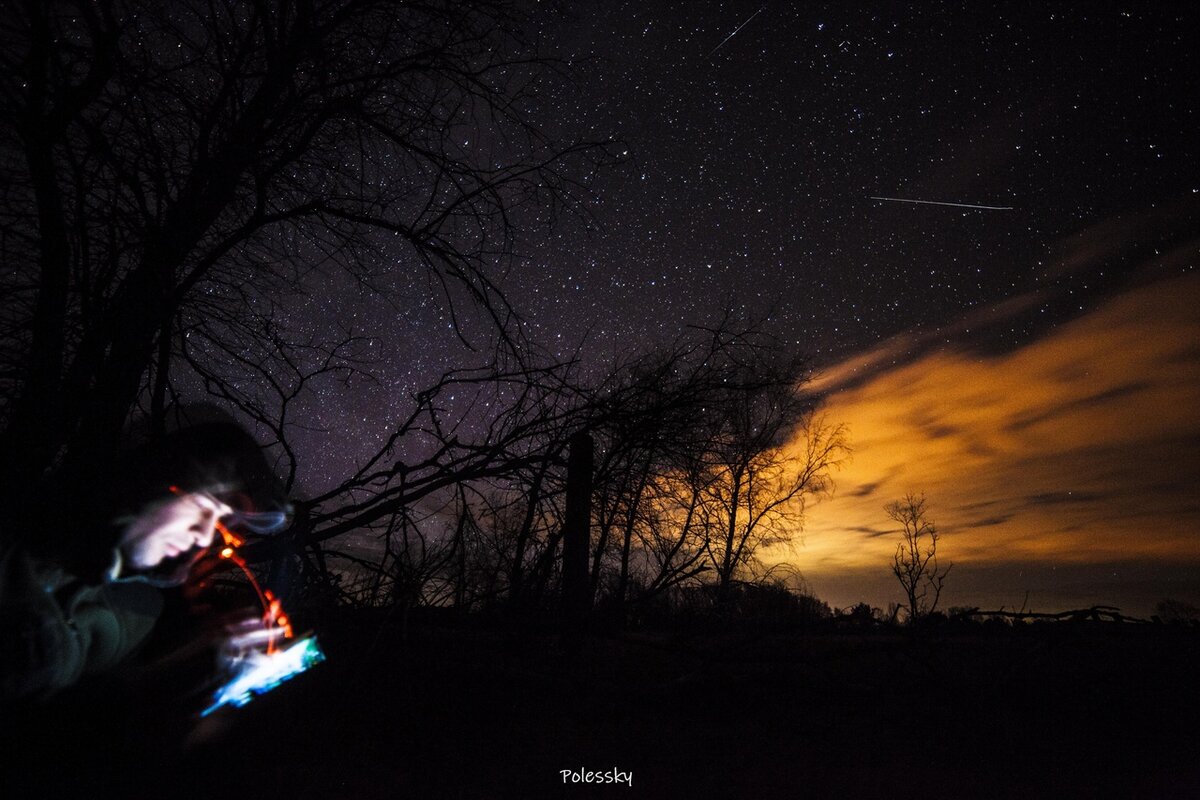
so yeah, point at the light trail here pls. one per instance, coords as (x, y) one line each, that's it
(735, 32)
(941, 203)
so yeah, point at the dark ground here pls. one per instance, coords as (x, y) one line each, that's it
(1058, 711)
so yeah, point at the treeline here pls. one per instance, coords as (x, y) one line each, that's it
(705, 453)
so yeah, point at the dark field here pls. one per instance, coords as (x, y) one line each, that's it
(1059, 710)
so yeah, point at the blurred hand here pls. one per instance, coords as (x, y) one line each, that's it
(193, 666)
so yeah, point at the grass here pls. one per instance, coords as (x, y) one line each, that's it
(480, 712)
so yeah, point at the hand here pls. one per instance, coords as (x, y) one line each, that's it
(191, 668)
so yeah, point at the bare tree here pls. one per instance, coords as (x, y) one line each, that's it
(655, 434)
(646, 425)
(171, 167)
(771, 452)
(759, 497)
(915, 563)
(709, 451)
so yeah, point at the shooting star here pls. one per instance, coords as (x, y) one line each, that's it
(735, 32)
(940, 203)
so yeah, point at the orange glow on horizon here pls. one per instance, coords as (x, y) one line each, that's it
(1081, 447)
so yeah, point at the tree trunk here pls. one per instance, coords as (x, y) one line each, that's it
(725, 571)
(575, 598)
(627, 534)
(162, 374)
(516, 570)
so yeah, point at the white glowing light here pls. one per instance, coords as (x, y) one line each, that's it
(735, 32)
(942, 203)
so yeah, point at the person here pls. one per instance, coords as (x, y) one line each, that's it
(81, 602)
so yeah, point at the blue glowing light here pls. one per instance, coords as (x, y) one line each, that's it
(257, 673)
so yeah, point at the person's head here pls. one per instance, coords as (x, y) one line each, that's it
(172, 528)
(173, 492)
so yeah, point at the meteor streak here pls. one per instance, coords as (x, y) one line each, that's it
(735, 32)
(940, 203)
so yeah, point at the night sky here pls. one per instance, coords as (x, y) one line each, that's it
(1034, 369)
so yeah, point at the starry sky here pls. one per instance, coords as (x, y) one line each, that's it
(975, 354)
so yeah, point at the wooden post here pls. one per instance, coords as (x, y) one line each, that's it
(576, 599)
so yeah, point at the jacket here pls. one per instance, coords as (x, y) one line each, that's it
(56, 628)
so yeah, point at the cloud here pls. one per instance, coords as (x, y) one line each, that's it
(1155, 239)
(1146, 247)
(1082, 447)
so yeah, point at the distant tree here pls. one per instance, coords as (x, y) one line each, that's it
(861, 615)
(654, 434)
(708, 450)
(770, 453)
(915, 563)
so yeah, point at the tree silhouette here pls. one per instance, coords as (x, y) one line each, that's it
(771, 452)
(708, 454)
(915, 563)
(706, 451)
(169, 168)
